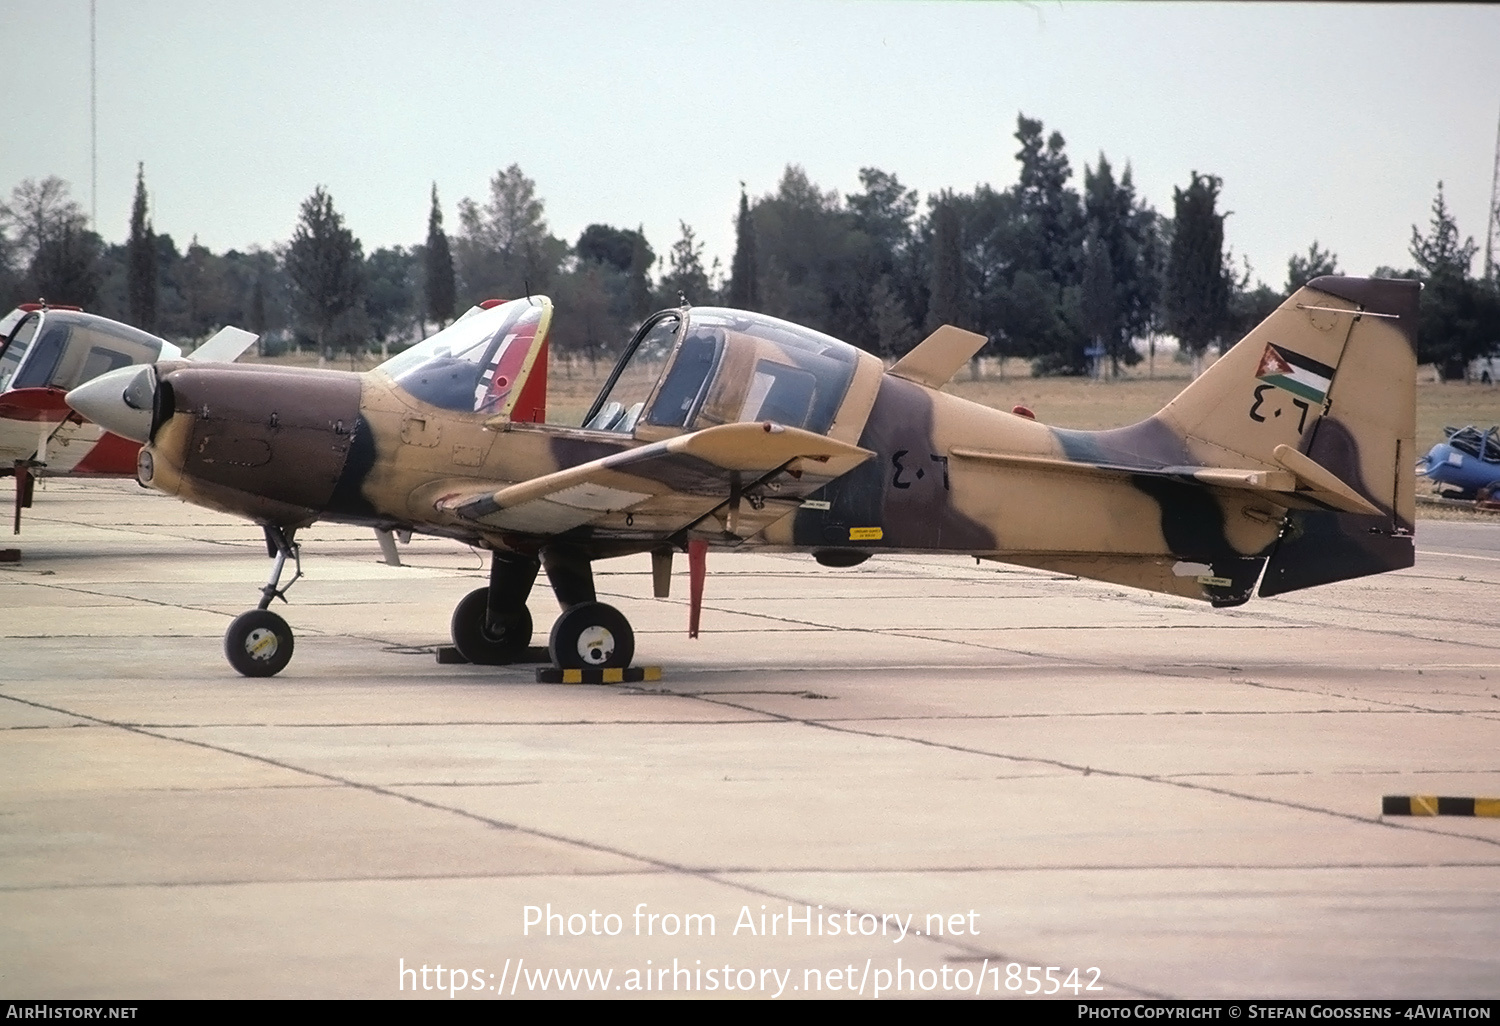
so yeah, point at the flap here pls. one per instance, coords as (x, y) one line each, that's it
(659, 489)
(939, 356)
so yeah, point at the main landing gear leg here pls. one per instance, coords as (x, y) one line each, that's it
(492, 626)
(588, 633)
(259, 643)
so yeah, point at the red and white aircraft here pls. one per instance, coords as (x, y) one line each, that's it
(44, 352)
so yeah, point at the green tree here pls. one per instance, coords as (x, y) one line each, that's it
(1439, 254)
(64, 267)
(38, 211)
(140, 259)
(391, 299)
(1247, 306)
(890, 273)
(324, 264)
(744, 275)
(1460, 315)
(638, 282)
(10, 278)
(1196, 298)
(894, 332)
(1302, 269)
(947, 291)
(1100, 311)
(504, 249)
(605, 294)
(810, 259)
(47, 234)
(685, 277)
(438, 287)
(1128, 232)
(605, 244)
(201, 276)
(1047, 233)
(1051, 214)
(588, 319)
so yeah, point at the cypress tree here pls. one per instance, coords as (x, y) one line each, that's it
(947, 266)
(140, 259)
(744, 288)
(440, 290)
(1197, 292)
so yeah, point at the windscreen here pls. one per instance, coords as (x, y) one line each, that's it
(71, 348)
(17, 342)
(474, 364)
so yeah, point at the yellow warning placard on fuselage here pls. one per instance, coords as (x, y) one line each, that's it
(865, 534)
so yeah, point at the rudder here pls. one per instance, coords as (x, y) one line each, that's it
(1367, 437)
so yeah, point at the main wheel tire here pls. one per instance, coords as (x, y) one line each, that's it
(484, 645)
(591, 635)
(258, 643)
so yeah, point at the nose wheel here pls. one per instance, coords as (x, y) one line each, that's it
(258, 643)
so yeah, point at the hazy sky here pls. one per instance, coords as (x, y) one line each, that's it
(1332, 122)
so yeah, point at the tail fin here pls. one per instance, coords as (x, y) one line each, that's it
(1332, 374)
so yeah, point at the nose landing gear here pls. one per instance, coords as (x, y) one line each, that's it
(259, 643)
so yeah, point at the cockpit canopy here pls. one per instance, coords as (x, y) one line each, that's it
(61, 349)
(690, 369)
(479, 363)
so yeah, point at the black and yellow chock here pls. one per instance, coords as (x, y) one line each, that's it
(594, 675)
(1432, 805)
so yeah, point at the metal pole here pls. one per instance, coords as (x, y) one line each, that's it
(93, 124)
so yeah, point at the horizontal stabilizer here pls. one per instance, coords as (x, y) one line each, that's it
(225, 346)
(1300, 484)
(938, 357)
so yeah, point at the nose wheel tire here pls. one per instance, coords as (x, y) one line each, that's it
(591, 635)
(486, 644)
(258, 643)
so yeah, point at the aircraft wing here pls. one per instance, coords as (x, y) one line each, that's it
(747, 474)
(37, 403)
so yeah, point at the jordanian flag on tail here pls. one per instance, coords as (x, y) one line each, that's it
(1294, 372)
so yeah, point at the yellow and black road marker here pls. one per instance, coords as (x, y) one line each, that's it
(628, 675)
(1432, 805)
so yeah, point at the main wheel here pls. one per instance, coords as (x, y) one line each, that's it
(258, 643)
(479, 642)
(591, 634)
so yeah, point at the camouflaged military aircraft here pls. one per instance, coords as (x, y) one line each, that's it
(1289, 463)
